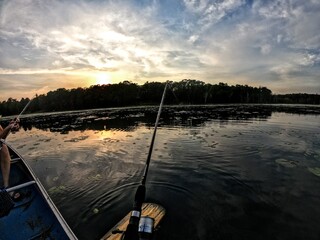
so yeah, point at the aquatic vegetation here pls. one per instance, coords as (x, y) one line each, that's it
(95, 210)
(315, 171)
(57, 190)
(286, 163)
(97, 177)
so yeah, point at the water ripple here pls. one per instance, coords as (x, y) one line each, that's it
(219, 173)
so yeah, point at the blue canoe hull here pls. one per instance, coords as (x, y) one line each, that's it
(34, 216)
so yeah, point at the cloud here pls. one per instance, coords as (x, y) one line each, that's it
(208, 13)
(257, 43)
(262, 38)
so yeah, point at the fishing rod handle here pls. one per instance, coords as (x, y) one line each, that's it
(138, 201)
(131, 232)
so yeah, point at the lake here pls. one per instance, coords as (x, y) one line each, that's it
(221, 172)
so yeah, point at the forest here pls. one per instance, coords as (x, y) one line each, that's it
(126, 93)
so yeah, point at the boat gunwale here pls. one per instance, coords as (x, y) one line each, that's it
(46, 196)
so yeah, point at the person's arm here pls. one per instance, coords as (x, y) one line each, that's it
(5, 131)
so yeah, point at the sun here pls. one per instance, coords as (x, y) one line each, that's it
(103, 78)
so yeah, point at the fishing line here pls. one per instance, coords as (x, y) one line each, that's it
(170, 84)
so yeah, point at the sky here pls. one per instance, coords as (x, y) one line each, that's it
(51, 44)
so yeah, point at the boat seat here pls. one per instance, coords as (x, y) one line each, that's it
(23, 185)
(14, 160)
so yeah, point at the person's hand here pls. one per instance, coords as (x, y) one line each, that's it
(14, 125)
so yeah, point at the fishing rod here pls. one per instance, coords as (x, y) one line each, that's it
(131, 232)
(16, 120)
(24, 109)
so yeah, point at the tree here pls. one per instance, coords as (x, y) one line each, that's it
(126, 93)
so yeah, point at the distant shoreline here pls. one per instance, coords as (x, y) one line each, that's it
(126, 94)
(286, 108)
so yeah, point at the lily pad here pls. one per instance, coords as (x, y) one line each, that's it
(95, 210)
(286, 163)
(57, 189)
(315, 171)
(97, 177)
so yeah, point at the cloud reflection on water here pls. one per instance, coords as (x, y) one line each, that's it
(211, 168)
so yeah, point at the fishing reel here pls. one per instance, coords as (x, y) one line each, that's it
(145, 229)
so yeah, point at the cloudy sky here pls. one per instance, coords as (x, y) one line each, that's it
(48, 44)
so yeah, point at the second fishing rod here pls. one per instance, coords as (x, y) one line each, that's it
(131, 232)
(14, 122)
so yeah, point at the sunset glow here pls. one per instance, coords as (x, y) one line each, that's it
(47, 45)
(103, 78)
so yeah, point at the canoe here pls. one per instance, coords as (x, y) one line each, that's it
(151, 210)
(34, 215)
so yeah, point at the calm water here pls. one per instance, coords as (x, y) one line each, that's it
(226, 172)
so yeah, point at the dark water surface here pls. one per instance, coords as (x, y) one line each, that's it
(221, 172)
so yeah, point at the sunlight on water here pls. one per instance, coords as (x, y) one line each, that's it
(219, 176)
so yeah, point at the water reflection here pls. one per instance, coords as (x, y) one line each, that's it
(220, 172)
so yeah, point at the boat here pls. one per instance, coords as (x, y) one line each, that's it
(34, 215)
(149, 210)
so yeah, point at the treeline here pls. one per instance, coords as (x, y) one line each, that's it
(297, 98)
(131, 94)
